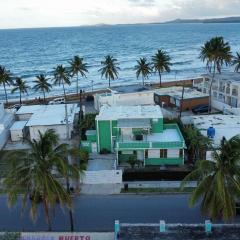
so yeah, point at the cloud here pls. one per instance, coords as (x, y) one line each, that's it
(44, 13)
(143, 3)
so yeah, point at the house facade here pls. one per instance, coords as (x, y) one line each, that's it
(225, 89)
(139, 132)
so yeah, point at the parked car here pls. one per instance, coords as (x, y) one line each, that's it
(57, 101)
(200, 109)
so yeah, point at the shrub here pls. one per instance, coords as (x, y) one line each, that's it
(10, 236)
(83, 155)
(132, 161)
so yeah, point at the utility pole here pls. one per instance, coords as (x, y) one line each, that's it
(181, 104)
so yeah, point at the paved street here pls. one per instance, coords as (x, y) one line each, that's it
(97, 213)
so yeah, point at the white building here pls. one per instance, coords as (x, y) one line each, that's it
(225, 89)
(131, 95)
(18, 131)
(44, 117)
(225, 126)
(6, 120)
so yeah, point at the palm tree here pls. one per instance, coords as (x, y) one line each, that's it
(78, 67)
(236, 62)
(218, 181)
(61, 77)
(41, 84)
(215, 52)
(5, 79)
(197, 144)
(31, 173)
(143, 68)
(109, 68)
(21, 86)
(161, 63)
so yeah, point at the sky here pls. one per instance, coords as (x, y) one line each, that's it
(57, 13)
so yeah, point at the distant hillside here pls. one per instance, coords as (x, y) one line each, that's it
(211, 20)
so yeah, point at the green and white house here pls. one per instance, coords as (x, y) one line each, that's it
(138, 131)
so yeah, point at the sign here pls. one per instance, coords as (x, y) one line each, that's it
(66, 236)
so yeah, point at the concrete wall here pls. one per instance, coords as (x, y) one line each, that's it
(60, 130)
(102, 177)
(130, 99)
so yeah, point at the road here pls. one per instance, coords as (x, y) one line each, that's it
(97, 213)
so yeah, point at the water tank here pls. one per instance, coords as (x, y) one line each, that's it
(211, 132)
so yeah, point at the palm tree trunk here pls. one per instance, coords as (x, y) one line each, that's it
(20, 97)
(70, 210)
(4, 86)
(160, 78)
(109, 82)
(47, 215)
(77, 83)
(66, 112)
(44, 98)
(210, 88)
(143, 80)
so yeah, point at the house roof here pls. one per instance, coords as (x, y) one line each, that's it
(225, 76)
(176, 92)
(46, 115)
(18, 125)
(129, 112)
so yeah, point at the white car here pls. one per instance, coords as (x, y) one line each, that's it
(57, 101)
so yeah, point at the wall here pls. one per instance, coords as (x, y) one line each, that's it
(24, 117)
(131, 99)
(157, 126)
(190, 103)
(102, 177)
(104, 135)
(60, 130)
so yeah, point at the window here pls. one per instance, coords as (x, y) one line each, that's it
(163, 153)
(180, 153)
(153, 153)
(146, 153)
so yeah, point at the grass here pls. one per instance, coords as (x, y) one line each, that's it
(158, 190)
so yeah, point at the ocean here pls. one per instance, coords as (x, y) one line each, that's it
(29, 52)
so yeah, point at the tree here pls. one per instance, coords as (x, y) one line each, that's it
(161, 63)
(109, 68)
(218, 181)
(197, 144)
(61, 77)
(236, 62)
(31, 173)
(78, 67)
(215, 52)
(143, 68)
(41, 84)
(20, 86)
(5, 79)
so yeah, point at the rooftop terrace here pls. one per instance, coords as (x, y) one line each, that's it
(129, 112)
(176, 92)
(129, 88)
(225, 76)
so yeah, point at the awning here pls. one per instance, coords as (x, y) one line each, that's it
(134, 123)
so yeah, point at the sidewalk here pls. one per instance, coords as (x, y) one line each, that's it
(101, 189)
(158, 184)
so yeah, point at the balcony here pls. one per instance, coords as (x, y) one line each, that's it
(171, 137)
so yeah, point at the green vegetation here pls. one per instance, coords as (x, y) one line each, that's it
(87, 123)
(5, 79)
(236, 62)
(218, 181)
(109, 68)
(78, 67)
(10, 236)
(41, 84)
(21, 86)
(132, 161)
(36, 175)
(215, 53)
(161, 63)
(157, 190)
(143, 68)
